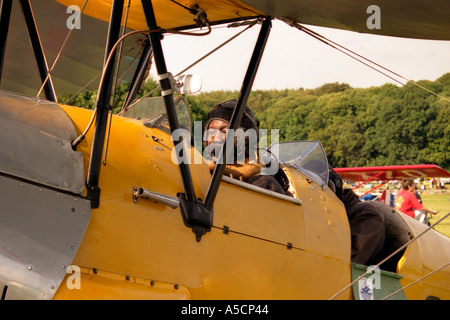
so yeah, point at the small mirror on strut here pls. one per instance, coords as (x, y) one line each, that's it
(188, 84)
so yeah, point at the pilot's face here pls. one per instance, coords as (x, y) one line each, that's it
(217, 131)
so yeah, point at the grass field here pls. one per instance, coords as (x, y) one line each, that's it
(441, 203)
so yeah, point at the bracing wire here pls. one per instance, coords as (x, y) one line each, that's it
(390, 74)
(201, 20)
(367, 62)
(105, 67)
(59, 53)
(250, 25)
(414, 282)
(370, 269)
(108, 61)
(99, 75)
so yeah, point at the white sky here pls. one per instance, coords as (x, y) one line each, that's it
(293, 59)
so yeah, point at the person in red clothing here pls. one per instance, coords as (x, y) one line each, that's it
(407, 201)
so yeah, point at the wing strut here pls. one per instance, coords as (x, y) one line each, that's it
(193, 211)
(166, 90)
(5, 15)
(139, 75)
(38, 49)
(239, 110)
(102, 107)
(198, 215)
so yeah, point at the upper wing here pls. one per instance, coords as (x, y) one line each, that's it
(81, 60)
(400, 18)
(168, 14)
(421, 19)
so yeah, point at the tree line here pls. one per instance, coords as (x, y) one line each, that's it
(383, 125)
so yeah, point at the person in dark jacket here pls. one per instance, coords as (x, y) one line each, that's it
(367, 228)
(367, 224)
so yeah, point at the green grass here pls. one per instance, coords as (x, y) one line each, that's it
(441, 203)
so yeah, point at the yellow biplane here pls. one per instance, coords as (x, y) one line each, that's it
(93, 206)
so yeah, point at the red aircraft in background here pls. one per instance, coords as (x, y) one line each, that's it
(385, 174)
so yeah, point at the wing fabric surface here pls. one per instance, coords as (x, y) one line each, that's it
(168, 14)
(399, 18)
(82, 59)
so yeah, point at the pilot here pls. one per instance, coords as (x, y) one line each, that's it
(249, 170)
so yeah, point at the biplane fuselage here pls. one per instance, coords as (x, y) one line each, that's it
(261, 245)
(69, 230)
(258, 240)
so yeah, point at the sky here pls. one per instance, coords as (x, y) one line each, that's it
(293, 59)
